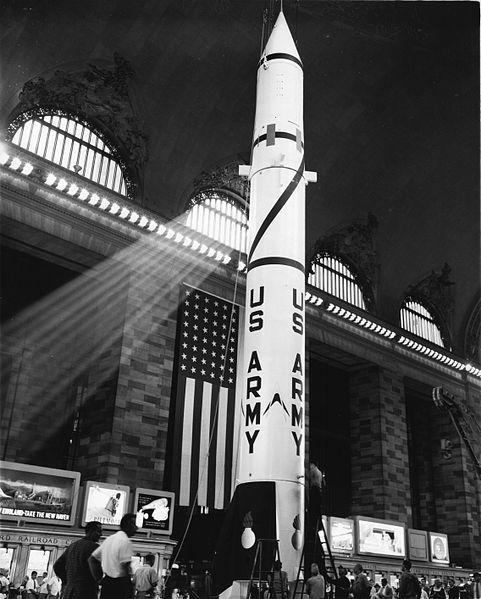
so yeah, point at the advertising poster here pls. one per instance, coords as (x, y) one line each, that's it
(37, 494)
(438, 544)
(105, 503)
(341, 534)
(154, 510)
(381, 538)
(418, 544)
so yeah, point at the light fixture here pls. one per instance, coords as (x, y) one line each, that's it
(72, 190)
(114, 208)
(4, 158)
(143, 221)
(94, 199)
(134, 217)
(16, 162)
(104, 204)
(62, 184)
(83, 195)
(50, 180)
(27, 168)
(124, 212)
(152, 225)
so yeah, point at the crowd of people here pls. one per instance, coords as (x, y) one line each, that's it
(359, 586)
(89, 570)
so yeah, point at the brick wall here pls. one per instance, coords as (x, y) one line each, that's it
(380, 469)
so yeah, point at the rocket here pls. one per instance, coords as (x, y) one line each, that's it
(269, 496)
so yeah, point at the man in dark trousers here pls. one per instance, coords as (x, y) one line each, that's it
(115, 556)
(409, 585)
(72, 566)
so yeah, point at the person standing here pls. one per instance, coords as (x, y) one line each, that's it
(72, 566)
(31, 586)
(361, 587)
(409, 585)
(316, 584)
(278, 583)
(453, 589)
(42, 586)
(146, 578)
(476, 586)
(386, 589)
(115, 555)
(54, 586)
(342, 584)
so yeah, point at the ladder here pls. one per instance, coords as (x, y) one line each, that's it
(463, 420)
(267, 552)
(321, 546)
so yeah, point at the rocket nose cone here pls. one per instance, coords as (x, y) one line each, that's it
(280, 40)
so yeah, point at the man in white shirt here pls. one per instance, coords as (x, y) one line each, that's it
(476, 586)
(54, 586)
(31, 586)
(115, 555)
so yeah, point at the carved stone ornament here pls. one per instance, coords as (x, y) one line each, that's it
(438, 291)
(354, 243)
(224, 178)
(101, 97)
(472, 343)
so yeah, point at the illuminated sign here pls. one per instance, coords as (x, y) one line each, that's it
(418, 544)
(341, 534)
(438, 544)
(380, 537)
(105, 503)
(36, 494)
(154, 510)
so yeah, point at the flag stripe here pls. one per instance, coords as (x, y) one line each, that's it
(220, 479)
(207, 392)
(194, 461)
(229, 447)
(215, 425)
(187, 438)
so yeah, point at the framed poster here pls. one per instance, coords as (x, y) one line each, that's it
(418, 545)
(341, 534)
(37, 494)
(380, 537)
(105, 503)
(439, 549)
(154, 510)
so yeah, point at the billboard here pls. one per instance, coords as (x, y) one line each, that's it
(154, 510)
(341, 534)
(105, 503)
(380, 537)
(418, 545)
(37, 494)
(439, 550)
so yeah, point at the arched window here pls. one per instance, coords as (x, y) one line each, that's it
(217, 215)
(70, 142)
(334, 277)
(417, 319)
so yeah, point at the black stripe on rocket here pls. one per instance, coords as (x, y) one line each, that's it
(274, 211)
(280, 56)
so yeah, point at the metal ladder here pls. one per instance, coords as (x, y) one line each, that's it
(257, 573)
(464, 422)
(321, 544)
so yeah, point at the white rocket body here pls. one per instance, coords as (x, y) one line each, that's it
(272, 435)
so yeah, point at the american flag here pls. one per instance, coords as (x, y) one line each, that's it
(205, 399)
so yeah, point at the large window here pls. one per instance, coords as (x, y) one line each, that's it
(218, 216)
(417, 319)
(334, 277)
(70, 143)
